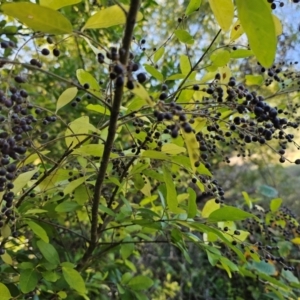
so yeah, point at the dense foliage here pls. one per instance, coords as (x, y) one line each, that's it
(111, 142)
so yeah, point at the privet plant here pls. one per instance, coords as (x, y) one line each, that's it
(100, 161)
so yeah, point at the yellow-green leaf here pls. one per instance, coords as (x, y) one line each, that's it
(74, 280)
(38, 230)
(4, 292)
(57, 4)
(185, 65)
(183, 36)
(5, 231)
(66, 97)
(38, 18)
(296, 241)
(275, 204)
(172, 149)
(223, 11)
(85, 77)
(22, 180)
(236, 31)
(241, 53)
(229, 213)
(192, 205)
(7, 259)
(209, 207)
(257, 21)
(278, 25)
(158, 54)
(192, 147)
(142, 93)
(193, 5)
(154, 72)
(220, 57)
(254, 79)
(110, 16)
(98, 108)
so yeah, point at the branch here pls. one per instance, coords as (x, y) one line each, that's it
(124, 54)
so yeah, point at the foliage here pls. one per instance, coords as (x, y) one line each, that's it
(107, 148)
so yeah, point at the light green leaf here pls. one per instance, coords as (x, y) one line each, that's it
(183, 36)
(140, 283)
(7, 259)
(223, 11)
(51, 276)
(209, 207)
(172, 149)
(176, 77)
(66, 206)
(66, 97)
(49, 252)
(22, 180)
(126, 250)
(28, 280)
(254, 79)
(74, 184)
(192, 205)
(241, 53)
(172, 201)
(38, 18)
(57, 4)
(229, 213)
(85, 77)
(142, 93)
(193, 5)
(192, 147)
(110, 16)
(275, 204)
(155, 154)
(185, 65)
(38, 230)
(4, 292)
(98, 108)
(154, 72)
(220, 57)
(35, 211)
(158, 54)
(5, 231)
(257, 21)
(74, 279)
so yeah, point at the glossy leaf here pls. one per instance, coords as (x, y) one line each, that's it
(74, 279)
(66, 97)
(38, 18)
(49, 252)
(209, 207)
(140, 283)
(229, 213)
(192, 6)
(57, 4)
(4, 292)
(38, 230)
(28, 280)
(110, 16)
(257, 21)
(223, 11)
(183, 36)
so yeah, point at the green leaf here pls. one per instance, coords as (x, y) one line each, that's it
(66, 206)
(264, 267)
(192, 147)
(7, 258)
(38, 18)
(85, 77)
(38, 230)
(185, 65)
(4, 292)
(193, 5)
(209, 207)
(152, 71)
(158, 54)
(142, 93)
(74, 184)
(183, 36)
(126, 250)
(49, 252)
(22, 180)
(171, 191)
(66, 97)
(254, 79)
(172, 149)
(98, 108)
(275, 204)
(28, 280)
(57, 4)
(229, 213)
(175, 77)
(257, 21)
(74, 279)
(140, 283)
(110, 16)
(51, 276)
(192, 205)
(155, 154)
(5, 231)
(241, 53)
(220, 57)
(223, 11)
